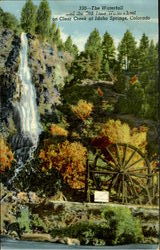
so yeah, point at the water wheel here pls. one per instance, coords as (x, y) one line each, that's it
(124, 171)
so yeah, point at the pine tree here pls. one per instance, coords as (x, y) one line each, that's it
(57, 39)
(136, 99)
(1, 17)
(70, 47)
(93, 44)
(9, 21)
(68, 44)
(93, 52)
(108, 60)
(144, 42)
(127, 51)
(149, 79)
(108, 48)
(43, 20)
(75, 50)
(28, 17)
(52, 31)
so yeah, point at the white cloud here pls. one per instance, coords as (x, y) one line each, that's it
(77, 39)
(80, 41)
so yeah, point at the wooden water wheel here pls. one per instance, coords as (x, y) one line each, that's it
(124, 171)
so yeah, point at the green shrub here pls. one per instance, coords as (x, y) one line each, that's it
(89, 233)
(38, 224)
(24, 219)
(123, 227)
(116, 227)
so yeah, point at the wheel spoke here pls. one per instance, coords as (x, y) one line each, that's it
(124, 154)
(137, 169)
(123, 188)
(119, 188)
(118, 155)
(132, 185)
(110, 153)
(110, 185)
(115, 180)
(138, 183)
(107, 162)
(102, 172)
(131, 156)
(132, 164)
(138, 175)
(129, 186)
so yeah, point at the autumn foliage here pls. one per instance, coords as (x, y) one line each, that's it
(82, 110)
(6, 156)
(114, 131)
(69, 159)
(118, 132)
(58, 131)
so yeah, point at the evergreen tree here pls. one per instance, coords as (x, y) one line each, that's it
(144, 42)
(143, 55)
(68, 44)
(108, 48)
(93, 53)
(108, 59)
(93, 44)
(136, 99)
(70, 47)
(1, 17)
(9, 21)
(28, 17)
(57, 39)
(52, 31)
(43, 20)
(150, 82)
(132, 102)
(127, 51)
(75, 50)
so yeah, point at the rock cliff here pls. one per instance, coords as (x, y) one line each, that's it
(47, 66)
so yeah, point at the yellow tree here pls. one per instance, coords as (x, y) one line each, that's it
(6, 156)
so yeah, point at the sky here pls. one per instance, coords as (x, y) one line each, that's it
(80, 30)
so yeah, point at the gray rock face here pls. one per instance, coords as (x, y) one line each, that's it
(9, 58)
(47, 67)
(48, 72)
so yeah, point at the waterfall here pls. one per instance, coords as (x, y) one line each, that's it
(27, 108)
(26, 141)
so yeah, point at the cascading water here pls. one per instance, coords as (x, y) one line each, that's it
(26, 108)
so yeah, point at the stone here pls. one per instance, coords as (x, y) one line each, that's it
(22, 197)
(37, 237)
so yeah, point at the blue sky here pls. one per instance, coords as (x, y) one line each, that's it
(79, 30)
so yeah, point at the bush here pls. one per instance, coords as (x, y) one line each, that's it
(89, 232)
(82, 110)
(69, 159)
(123, 227)
(6, 156)
(117, 226)
(24, 219)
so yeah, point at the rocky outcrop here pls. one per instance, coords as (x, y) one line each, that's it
(48, 72)
(9, 61)
(47, 66)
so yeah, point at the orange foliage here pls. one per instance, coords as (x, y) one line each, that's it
(6, 156)
(100, 92)
(69, 159)
(117, 132)
(133, 79)
(57, 130)
(82, 110)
